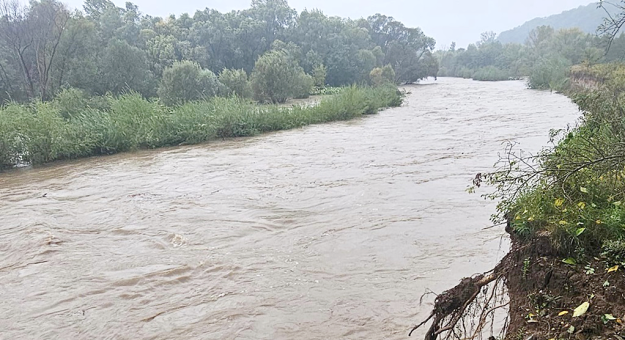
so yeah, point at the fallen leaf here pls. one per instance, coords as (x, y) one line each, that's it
(609, 317)
(613, 269)
(563, 313)
(570, 261)
(581, 309)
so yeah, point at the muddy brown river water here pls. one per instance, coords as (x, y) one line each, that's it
(328, 232)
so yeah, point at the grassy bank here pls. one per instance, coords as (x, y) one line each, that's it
(564, 209)
(73, 127)
(575, 190)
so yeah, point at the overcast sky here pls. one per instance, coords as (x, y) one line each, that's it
(461, 21)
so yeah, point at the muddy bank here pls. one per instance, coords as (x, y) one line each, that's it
(534, 293)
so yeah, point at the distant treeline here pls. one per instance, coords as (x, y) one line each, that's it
(545, 57)
(45, 48)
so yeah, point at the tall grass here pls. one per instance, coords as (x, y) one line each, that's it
(74, 127)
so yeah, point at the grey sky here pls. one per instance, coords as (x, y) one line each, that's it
(461, 21)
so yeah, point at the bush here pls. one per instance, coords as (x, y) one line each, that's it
(186, 81)
(236, 82)
(71, 102)
(304, 86)
(382, 76)
(277, 77)
(319, 74)
(465, 73)
(574, 191)
(551, 73)
(491, 73)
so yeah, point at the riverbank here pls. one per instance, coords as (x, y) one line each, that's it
(68, 128)
(564, 211)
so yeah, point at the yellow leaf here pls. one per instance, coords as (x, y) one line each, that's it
(613, 269)
(598, 221)
(581, 205)
(581, 309)
(563, 222)
(584, 190)
(559, 202)
(563, 313)
(619, 320)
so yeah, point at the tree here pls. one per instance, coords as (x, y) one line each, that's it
(276, 77)
(123, 68)
(319, 74)
(382, 75)
(49, 19)
(236, 81)
(186, 81)
(17, 36)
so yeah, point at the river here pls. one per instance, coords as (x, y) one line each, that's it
(332, 231)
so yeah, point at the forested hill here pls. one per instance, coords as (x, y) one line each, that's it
(587, 18)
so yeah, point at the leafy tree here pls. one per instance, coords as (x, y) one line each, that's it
(382, 75)
(276, 77)
(236, 82)
(123, 68)
(186, 81)
(319, 74)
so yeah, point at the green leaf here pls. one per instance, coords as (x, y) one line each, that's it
(581, 309)
(579, 231)
(570, 261)
(609, 317)
(584, 190)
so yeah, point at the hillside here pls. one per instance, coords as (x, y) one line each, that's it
(587, 18)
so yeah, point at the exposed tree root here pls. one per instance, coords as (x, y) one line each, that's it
(464, 311)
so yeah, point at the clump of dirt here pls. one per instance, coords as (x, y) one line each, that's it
(543, 293)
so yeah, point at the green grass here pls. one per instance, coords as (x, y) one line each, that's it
(73, 126)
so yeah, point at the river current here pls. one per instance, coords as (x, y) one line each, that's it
(331, 231)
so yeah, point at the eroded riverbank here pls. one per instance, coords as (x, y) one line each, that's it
(331, 231)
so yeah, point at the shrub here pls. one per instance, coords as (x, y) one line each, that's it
(381, 76)
(303, 86)
(187, 81)
(319, 74)
(71, 102)
(490, 73)
(236, 82)
(551, 73)
(277, 77)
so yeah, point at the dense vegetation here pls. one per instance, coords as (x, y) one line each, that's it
(575, 190)
(586, 18)
(110, 79)
(545, 58)
(74, 125)
(45, 48)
